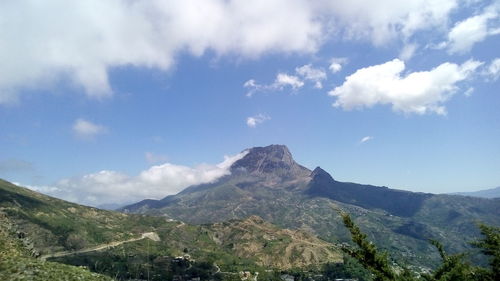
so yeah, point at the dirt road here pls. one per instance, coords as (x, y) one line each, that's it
(149, 235)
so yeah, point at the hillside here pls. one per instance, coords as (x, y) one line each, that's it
(17, 261)
(267, 182)
(271, 246)
(56, 225)
(129, 246)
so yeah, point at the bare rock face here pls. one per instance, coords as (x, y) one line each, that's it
(273, 160)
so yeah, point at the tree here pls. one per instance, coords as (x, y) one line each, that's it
(453, 267)
(490, 246)
(367, 254)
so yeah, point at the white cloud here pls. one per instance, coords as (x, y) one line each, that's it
(253, 121)
(87, 130)
(336, 64)
(40, 46)
(107, 187)
(494, 69)
(388, 19)
(283, 80)
(315, 75)
(365, 139)
(335, 67)
(465, 34)
(417, 92)
(253, 87)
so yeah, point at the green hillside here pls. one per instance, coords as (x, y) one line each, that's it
(57, 225)
(17, 261)
(128, 246)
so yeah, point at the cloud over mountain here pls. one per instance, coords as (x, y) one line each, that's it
(156, 182)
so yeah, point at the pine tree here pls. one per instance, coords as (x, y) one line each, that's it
(490, 246)
(453, 267)
(367, 254)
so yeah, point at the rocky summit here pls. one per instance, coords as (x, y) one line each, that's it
(267, 182)
(273, 160)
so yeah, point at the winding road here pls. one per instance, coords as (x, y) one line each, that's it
(149, 235)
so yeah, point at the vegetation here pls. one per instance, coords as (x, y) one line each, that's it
(45, 226)
(17, 261)
(33, 224)
(453, 267)
(269, 184)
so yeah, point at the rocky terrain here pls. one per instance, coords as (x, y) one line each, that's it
(268, 183)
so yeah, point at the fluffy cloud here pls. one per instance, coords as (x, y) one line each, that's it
(417, 92)
(315, 75)
(253, 121)
(87, 130)
(470, 31)
(92, 36)
(40, 46)
(336, 64)
(106, 187)
(283, 80)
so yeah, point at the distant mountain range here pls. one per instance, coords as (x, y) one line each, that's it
(486, 193)
(267, 182)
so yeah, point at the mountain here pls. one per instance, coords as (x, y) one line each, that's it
(35, 227)
(486, 193)
(396, 202)
(267, 182)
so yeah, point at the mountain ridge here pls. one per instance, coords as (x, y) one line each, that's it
(274, 165)
(298, 198)
(484, 193)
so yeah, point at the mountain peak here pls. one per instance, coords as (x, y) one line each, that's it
(319, 174)
(272, 159)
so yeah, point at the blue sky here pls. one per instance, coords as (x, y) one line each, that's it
(118, 101)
